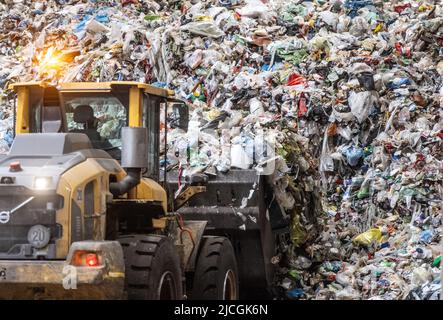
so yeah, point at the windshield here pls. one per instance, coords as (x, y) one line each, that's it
(101, 117)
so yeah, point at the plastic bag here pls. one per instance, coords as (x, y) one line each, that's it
(330, 18)
(345, 132)
(239, 157)
(361, 104)
(371, 236)
(254, 9)
(204, 28)
(256, 107)
(343, 278)
(194, 59)
(295, 293)
(343, 24)
(426, 236)
(359, 27)
(421, 275)
(94, 26)
(326, 161)
(347, 293)
(353, 155)
(301, 263)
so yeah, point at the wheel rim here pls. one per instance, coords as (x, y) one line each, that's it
(230, 286)
(166, 287)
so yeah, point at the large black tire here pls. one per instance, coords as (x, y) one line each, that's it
(216, 275)
(152, 268)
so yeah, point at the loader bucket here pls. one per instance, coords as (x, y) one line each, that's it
(237, 204)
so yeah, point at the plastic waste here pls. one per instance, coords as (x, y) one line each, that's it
(371, 236)
(361, 104)
(420, 276)
(239, 157)
(254, 9)
(347, 293)
(426, 236)
(204, 28)
(353, 155)
(436, 262)
(256, 107)
(302, 263)
(350, 92)
(366, 80)
(295, 293)
(194, 59)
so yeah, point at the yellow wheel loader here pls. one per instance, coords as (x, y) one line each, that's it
(86, 212)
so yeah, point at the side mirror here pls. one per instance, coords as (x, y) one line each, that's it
(134, 147)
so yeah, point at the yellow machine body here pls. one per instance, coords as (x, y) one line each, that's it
(148, 189)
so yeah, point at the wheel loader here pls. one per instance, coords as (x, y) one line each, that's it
(87, 212)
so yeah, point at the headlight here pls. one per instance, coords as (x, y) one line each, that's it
(39, 236)
(42, 183)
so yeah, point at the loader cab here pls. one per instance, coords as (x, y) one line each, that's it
(99, 110)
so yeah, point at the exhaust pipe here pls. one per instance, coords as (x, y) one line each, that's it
(127, 183)
(134, 159)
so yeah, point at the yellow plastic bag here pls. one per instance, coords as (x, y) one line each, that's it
(368, 237)
(378, 28)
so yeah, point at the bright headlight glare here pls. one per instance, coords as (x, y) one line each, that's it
(42, 182)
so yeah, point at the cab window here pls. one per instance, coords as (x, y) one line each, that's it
(100, 117)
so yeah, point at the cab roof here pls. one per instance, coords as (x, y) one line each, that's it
(95, 87)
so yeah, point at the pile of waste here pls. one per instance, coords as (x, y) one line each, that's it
(343, 99)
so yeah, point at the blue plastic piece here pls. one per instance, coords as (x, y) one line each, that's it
(426, 236)
(296, 293)
(353, 155)
(354, 5)
(398, 83)
(159, 84)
